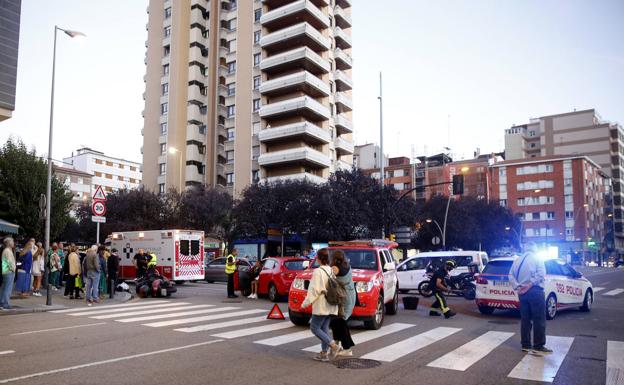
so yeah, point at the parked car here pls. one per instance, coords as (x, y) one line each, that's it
(277, 275)
(374, 276)
(215, 272)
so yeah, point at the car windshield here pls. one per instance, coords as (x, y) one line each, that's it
(358, 259)
(498, 267)
(417, 263)
(294, 265)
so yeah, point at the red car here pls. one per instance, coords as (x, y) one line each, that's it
(374, 276)
(277, 274)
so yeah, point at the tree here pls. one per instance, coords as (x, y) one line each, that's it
(23, 177)
(207, 209)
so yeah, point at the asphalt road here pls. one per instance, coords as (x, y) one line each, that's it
(161, 343)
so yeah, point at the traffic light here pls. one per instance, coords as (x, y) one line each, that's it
(393, 237)
(458, 184)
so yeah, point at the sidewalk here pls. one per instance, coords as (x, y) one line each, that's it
(38, 304)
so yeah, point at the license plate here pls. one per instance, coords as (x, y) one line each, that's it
(163, 292)
(501, 283)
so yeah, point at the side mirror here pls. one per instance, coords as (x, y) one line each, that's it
(306, 264)
(389, 266)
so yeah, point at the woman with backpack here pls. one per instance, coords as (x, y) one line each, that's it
(338, 325)
(24, 270)
(321, 309)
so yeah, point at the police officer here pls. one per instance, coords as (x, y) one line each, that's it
(438, 288)
(230, 269)
(140, 263)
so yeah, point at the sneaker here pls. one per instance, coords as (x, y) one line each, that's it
(322, 356)
(434, 313)
(527, 350)
(542, 350)
(334, 352)
(89, 304)
(345, 353)
(449, 314)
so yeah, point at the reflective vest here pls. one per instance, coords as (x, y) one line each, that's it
(153, 261)
(230, 264)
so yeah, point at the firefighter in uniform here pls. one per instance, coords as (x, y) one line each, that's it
(438, 288)
(230, 269)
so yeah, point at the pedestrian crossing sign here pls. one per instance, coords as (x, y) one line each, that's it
(276, 313)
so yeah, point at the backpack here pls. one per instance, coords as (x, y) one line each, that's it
(335, 293)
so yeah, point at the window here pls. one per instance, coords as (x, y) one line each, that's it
(568, 198)
(98, 161)
(502, 172)
(162, 168)
(535, 216)
(167, 50)
(231, 67)
(257, 35)
(257, 14)
(165, 89)
(256, 58)
(255, 175)
(108, 176)
(567, 182)
(503, 202)
(161, 188)
(109, 164)
(531, 133)
(255, 128)
(98, 174)
(255, 152)
(232, 45)
(163, 128)
(569, 214)
(167, 31)
(570, 232)
(229, 178)
(229, 155)
(233, 4)
(230, 134)
(256, 82)
(256, 104)
(231, 110)
(231, 89)
(166, 69)
(550, 215)
(132, 168)
(163, 148)
(164, 108)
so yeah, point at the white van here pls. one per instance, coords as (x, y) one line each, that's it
(411, 272)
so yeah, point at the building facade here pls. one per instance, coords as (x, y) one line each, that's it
(238, 91)
(579, 132)
(109, 172)
(9, 44)
(367, 156)
(78, 182)
(560, 200)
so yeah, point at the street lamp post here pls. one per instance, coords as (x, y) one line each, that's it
(172, 151)
(508, 228)
(442, 232)
(576, 213)
(48, 206)
(448, 202)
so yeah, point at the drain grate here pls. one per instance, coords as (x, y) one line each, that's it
(502, 322)
(356, 363)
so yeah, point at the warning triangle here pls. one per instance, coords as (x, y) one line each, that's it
(99, 194)
(276, 313)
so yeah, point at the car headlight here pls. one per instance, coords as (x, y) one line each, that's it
(298, 284)
(364, 287)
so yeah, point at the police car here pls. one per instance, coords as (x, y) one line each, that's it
(564, 287)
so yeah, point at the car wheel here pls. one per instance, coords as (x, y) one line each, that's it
(588, 301)
(377, 320)
(424, 290)
(393, 307)
(487, 310)
(298, 320)
(273, 295)
(551, 307)
(210, 281)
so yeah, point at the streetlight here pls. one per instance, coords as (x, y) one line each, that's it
(509, 228)
(576, 213)
(48, 206)
(173, 151)
(442, 233)
(448, 203)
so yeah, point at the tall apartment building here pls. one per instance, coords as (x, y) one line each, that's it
(9, 44)
(578, 133)
(78, 182)
(109, 172)
(238, 91)
(367, 156)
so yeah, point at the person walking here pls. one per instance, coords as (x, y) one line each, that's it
(230, 270)
(321, 309)
(93, 268)
(24, 270)
(8, 273)
(74, 271)
(526, 277)
(113, 269)
(102, 255)
(438, 287)
(55, 266)
(340, 328)
(38, 267)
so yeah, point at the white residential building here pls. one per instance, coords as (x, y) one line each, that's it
(109, 172)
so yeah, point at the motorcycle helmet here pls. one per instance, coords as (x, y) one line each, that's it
(450, 264)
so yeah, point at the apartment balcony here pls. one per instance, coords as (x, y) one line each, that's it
(302, 34)
(300, 176)
(343, 40)
(220, 169)
(192, 153)
(343, 60)
(192, 133)
(306, 131)
(302, 57)
(195, 73)
(303, 156)
(343, 124)
(301, 106)
(196, 36)
(343, 19)
(343, 81)
(342, 165)
(221, 131)
(280, 3)
(192, 174)
(193, 116)
(195, 96)
(343, 102)
(197, 16)
(343, 3)
(343, 146)
(300, 10)
(300, 81)
(196, 55)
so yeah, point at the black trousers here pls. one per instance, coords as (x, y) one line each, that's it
(533, 317)
(230, 285)
(70, 287)
(341, 332)
(440, 303)
(112, 276)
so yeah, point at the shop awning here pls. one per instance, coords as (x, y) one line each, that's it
(8, 227)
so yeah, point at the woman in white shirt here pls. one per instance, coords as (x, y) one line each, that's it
(321, 310)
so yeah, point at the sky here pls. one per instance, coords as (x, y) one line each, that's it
(455, 73)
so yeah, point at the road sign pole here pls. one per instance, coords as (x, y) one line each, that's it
(97, 236)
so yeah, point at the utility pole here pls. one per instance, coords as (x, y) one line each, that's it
(381, 150)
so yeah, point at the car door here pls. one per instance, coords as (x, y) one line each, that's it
(406, 274)
(558, 281)
(390, 277)
(574, 285)
(266, 275)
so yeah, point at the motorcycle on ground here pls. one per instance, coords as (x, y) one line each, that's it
(462, 285)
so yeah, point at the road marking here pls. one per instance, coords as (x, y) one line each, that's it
(174, 315)
(614, 292)
(597, 289)
(55, 329)
(7, 352)
(369, 335)
(543, 368)
(221, 325)
(150, 311)
(286, 338)
(205, 318)
(615, 363)
(96, 311)
(108, 307)
(255, 330)
(395, 351)
(467, 355)
(97, 363)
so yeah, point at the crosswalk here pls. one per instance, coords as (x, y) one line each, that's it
(231, 322)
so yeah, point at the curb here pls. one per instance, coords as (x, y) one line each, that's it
(44, 308)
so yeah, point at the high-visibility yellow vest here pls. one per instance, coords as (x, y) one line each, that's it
(153, 260)
(230, 267)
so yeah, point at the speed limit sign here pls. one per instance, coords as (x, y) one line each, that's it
(98, 208)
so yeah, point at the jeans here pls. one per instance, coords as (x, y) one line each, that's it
(319, 325)
(533, 316)
(54, 278)
(6, 289)
(93, 283)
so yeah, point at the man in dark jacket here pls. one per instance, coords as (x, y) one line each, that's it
(113, 269)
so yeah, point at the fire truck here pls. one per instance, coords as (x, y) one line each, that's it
(180, 253)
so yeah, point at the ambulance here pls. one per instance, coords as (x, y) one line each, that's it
(180, 253)
(564, 287)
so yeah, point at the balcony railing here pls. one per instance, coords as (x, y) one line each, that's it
(343, 40)
(343, 19)
(299, 176)
(280, 3)
(302, 57)
(343, 124)
(301, 155)
(343, 81)
(306, 130)
(343, 147)
(303, 106)
(300, 81)
(343, 60)
(302, 34)
(343, 102)
(300, 10)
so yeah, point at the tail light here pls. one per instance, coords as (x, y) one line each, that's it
(289, 275)
(481, 280)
